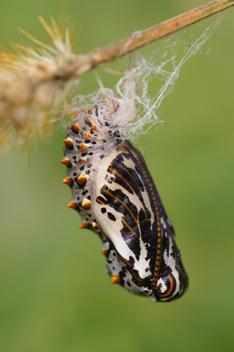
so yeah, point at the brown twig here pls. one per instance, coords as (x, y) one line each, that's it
(85, 63)
(30, 85)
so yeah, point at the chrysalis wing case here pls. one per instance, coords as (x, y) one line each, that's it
(114, 193)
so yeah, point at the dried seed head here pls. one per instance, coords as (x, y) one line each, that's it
(31, 83)
(44, 93)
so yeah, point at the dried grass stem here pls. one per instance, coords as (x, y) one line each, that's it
(137, 40)
(34, 83)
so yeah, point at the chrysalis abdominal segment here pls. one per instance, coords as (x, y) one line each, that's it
(114, 193)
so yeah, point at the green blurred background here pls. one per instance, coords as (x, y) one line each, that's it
(55, 293)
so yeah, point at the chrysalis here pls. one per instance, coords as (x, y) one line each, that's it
(114, 193)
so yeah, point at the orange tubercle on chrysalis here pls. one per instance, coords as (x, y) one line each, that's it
(86, 205)
(75, 128)
(66, 162)
(67, 181)
(68, 143)
(81, 179)
(116, 279)
(83, 146)
(72, 205)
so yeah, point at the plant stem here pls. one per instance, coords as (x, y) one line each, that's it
(137, 40)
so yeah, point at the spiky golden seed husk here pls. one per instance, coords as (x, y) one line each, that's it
(33, 86)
